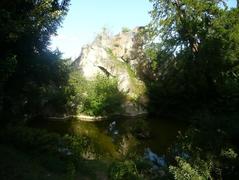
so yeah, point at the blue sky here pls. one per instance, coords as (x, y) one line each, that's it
(86, 18)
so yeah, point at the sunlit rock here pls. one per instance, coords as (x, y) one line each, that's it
(117, 56)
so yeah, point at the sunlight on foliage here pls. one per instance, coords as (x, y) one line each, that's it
(96, 97)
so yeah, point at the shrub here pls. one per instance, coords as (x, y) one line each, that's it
(125, 29)
(97, 97)
(197, 170)
(41, 141)
(123, 170)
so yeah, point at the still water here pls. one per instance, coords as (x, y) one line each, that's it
(144, 133)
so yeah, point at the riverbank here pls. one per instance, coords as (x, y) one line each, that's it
(85, 118)
(88, 118)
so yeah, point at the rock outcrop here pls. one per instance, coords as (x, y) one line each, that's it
(117, 56)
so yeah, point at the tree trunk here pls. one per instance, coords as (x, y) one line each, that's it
(189, 36)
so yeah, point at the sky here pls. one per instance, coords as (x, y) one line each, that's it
(86, 18)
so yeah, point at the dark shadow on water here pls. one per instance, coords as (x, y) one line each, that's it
(154, 133)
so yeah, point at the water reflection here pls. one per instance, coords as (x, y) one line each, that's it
(122, 135)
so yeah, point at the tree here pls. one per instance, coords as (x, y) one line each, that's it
(200, 80)
(26, 27)
(200, 41)
(183, 24)
(29, 23)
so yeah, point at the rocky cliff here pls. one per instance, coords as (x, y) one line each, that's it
(117, 56)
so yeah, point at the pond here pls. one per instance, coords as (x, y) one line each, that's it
(139, 134)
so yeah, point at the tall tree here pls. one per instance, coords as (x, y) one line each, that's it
(25, 30)
(183, 23)
(26, 25)
(202, 38)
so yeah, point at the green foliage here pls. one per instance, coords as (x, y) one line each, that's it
(128, 146)
(120, 64)
(196, 67)
(136, 168)
(200, 170)
(137, 87)
(26, 26)
(183, 24)
(63, 155)
(229, 153)
(28, 68)
(205, 153)
(42, 141)
(25, 166)
(125, 29)
(71, 171)
(97, 97)
(124, 170)
(30, 139)
(196, 60)
(103, 98)
(7, 68)
(67, 149)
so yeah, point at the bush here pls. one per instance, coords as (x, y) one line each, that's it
(197, 170)
(97, 97)
(123, 170)
(41, 141)
(125, 29)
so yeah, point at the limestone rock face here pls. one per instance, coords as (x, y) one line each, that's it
(116, 56)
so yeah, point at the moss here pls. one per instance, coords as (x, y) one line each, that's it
(125, 29)
(137, 88)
